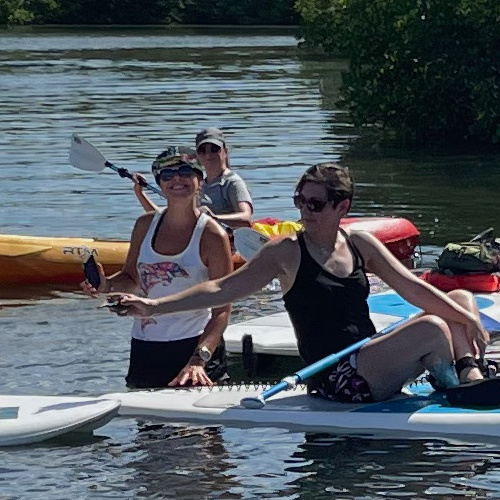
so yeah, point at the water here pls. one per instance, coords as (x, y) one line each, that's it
(131, 92)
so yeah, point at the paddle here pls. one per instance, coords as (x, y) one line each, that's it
(85, 156)
(291, 381)
(248, 242)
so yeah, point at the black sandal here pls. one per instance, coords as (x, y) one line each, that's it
(484, 392)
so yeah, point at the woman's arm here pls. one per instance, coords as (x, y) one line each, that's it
(143, 198)
(127, 280)
(267, 264)
(242, 218)
(216, 253)
(413, 289)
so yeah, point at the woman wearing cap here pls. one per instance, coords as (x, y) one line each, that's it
(224, 196)
(325, 289)
(225, 193)
(170, 251)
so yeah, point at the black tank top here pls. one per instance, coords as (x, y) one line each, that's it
(328, 313)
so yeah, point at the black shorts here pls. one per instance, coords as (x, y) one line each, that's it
(154, 364)
(341, 383)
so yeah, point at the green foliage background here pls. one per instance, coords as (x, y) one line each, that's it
(421, 71)
(426, 70)
(136, 12)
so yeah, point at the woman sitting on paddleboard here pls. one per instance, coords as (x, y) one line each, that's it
(224, 194)
(171, 251)
(323, 279)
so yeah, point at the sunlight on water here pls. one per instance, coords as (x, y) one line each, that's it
(131, 93)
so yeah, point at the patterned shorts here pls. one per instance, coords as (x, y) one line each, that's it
(344, 384)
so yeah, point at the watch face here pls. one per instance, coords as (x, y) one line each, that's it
(205, 354)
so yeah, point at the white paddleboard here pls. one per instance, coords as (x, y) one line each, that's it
(31, 419)
(416, 413)
(273, 334)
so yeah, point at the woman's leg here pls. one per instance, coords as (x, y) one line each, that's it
(461, 344)
(389, 361)
(428, 342)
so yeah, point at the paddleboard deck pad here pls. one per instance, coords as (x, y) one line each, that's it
(417, 412)
(31, 419)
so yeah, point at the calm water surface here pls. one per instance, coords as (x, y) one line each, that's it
(131, 93)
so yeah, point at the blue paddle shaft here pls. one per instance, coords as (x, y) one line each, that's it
(311, 370)
(318, 366)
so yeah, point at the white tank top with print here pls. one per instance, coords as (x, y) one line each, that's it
(161, 275)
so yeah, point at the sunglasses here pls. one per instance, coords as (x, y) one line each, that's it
(208, 148)
(312, 204)
(183, 171)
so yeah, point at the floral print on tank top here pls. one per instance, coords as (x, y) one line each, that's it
(160, 273)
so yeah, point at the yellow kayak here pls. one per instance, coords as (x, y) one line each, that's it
(32, 260)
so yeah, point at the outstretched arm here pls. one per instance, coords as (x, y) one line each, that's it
(252, 277)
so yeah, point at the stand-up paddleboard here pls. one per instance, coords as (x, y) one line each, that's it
(273, 334)
(31, 419)
(417, 413)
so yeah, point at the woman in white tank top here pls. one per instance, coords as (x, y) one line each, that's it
(170, 251)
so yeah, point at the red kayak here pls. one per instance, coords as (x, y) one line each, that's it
(399, 235)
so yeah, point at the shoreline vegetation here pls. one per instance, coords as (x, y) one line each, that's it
(420, 74)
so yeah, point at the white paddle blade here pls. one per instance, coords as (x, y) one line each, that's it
(248, 242)
(84, 156)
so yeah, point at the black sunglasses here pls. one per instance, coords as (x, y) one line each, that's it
(183, 171)
(203, 149)
(312, 204)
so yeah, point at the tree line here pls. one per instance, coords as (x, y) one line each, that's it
(144, 12)
(420, 71)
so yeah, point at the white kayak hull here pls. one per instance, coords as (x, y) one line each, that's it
(410, 415)
(273, 334)
(32, 419)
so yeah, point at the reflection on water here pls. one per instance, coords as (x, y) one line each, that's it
(131, 92)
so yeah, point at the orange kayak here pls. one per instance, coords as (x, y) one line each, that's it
(33, 260)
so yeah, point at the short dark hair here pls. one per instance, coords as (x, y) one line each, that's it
(337, 180)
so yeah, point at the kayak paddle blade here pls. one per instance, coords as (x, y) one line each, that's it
(248, 242)
(84, 156)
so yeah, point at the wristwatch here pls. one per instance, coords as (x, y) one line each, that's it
(204, 353)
